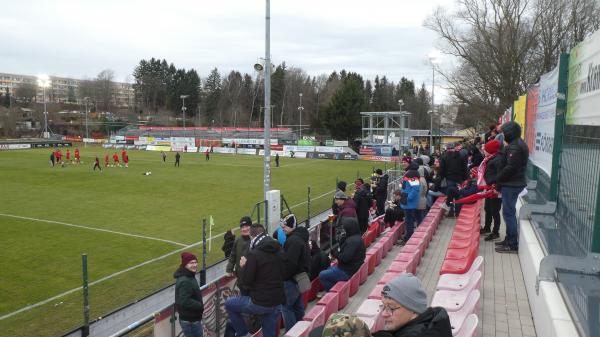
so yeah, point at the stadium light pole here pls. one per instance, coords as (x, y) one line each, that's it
(267, 120)
(87, 135)
(44, 82)
(434, 58)
(300, 108)
(183, 108)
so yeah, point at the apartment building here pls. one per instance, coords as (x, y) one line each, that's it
(64, 90)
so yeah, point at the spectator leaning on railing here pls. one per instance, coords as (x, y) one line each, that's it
(188, 298)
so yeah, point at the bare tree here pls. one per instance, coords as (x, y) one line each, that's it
(26, 92)
(105, 89)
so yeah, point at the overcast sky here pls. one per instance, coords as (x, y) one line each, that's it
(80, 38)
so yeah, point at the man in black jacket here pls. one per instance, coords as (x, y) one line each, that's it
(362, 199)
(511, 180)
(188, 298)
(262, 273)
(405, 312)
(350, 255)
(240, 248)
(453, 168)
(381, 191)
(297, 260)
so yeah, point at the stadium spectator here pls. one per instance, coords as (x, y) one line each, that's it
(163, 156)
(240, 248)
(511, 180)
(381, 191)
(435, 187)
(405, 312)
(453, 167)
(394, 211)
(341, 186)
(362, 200)
(319, 261)
(228, 241)
(277, 159)
(97, 164)
(409, 200)
(279, 234)
(77, 156)
(341, 325)
(487, 175)
(177, 158)
(422, 206)
(488, 134)
(262, 272)
(346, 206)
(350, 255)
(457, 192)
(188, 297)
(297, 261)
(52, 158)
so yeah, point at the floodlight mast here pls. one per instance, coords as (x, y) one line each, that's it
(267, 116)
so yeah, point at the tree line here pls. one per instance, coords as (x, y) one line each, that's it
(503, 46)
(330, 103)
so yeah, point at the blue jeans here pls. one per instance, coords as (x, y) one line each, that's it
(237, 306)
(431, 196)
(410, 216)
(509, 213)
(332, 275)
(191, 329)
(421, 213)
(293, 309)
(449, 184)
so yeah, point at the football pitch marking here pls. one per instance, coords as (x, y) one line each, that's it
(94, 229)
(53, 298)
(315, 198)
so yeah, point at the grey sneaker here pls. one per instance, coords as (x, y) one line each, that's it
(445, 207)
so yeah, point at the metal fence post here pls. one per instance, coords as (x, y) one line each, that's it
(267, 215)
(173, 319)
(203, 271)
(559, 124)
(85, 331)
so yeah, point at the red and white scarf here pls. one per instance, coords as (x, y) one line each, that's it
(482, 168)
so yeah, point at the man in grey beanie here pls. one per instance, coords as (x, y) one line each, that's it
(405, 312)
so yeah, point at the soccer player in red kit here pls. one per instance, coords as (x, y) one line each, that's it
(68, 155)
(106, 160)
(116, 159)
(126, 159)
(59, 156)
(77, 158)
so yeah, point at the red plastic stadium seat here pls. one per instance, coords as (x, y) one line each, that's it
(407, 257)
(463, 235)
(300, 329)
(459, 281)
(364, 272)
(401, 267)
(316, 315)
(354, 283)
(381, 246)
(371, 258)
(369, 308)
(366, 239)
(343, 290)
(330, 302)
(457, 318)
(388, 276)
(462, 243)
(453, 301)
(376, 293)
(377, 252)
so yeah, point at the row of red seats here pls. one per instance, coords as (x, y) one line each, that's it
(406, 261)
(337, 298)
(458, 286)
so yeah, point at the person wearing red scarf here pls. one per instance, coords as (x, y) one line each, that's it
(487, 172)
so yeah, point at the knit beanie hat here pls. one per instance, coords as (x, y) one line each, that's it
(245, 221)
(187, 257)
(492, 146)
(406, 289)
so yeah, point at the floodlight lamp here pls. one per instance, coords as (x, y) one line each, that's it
(43, 81)
(435, 56)
(258, 67)
(184, 96)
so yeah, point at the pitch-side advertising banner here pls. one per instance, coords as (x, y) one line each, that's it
(519, 116)
(583, 103)
(543, 124)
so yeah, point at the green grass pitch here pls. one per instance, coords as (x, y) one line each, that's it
(121, 218)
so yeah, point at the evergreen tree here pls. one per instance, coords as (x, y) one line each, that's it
(212, 92)
(342, 115)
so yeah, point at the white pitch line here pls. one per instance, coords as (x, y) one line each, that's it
(95, 229)
(322, 195)
(29, 307)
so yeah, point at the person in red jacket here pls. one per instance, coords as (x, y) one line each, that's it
(116, 160)
(77, 157)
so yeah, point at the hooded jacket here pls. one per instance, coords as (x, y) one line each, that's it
(453, 166)
(241, 246)
(348, 209)
(341, 186)
(319, 261)
(263, 273)
(297, 253)
(351, 253)
(188, 298)
(516, 155)
(411, 187)
(433, 322)
(362, 199)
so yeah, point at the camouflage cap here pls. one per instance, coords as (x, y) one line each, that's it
(342, 325)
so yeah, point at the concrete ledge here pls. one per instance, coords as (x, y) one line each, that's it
(549, 311)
